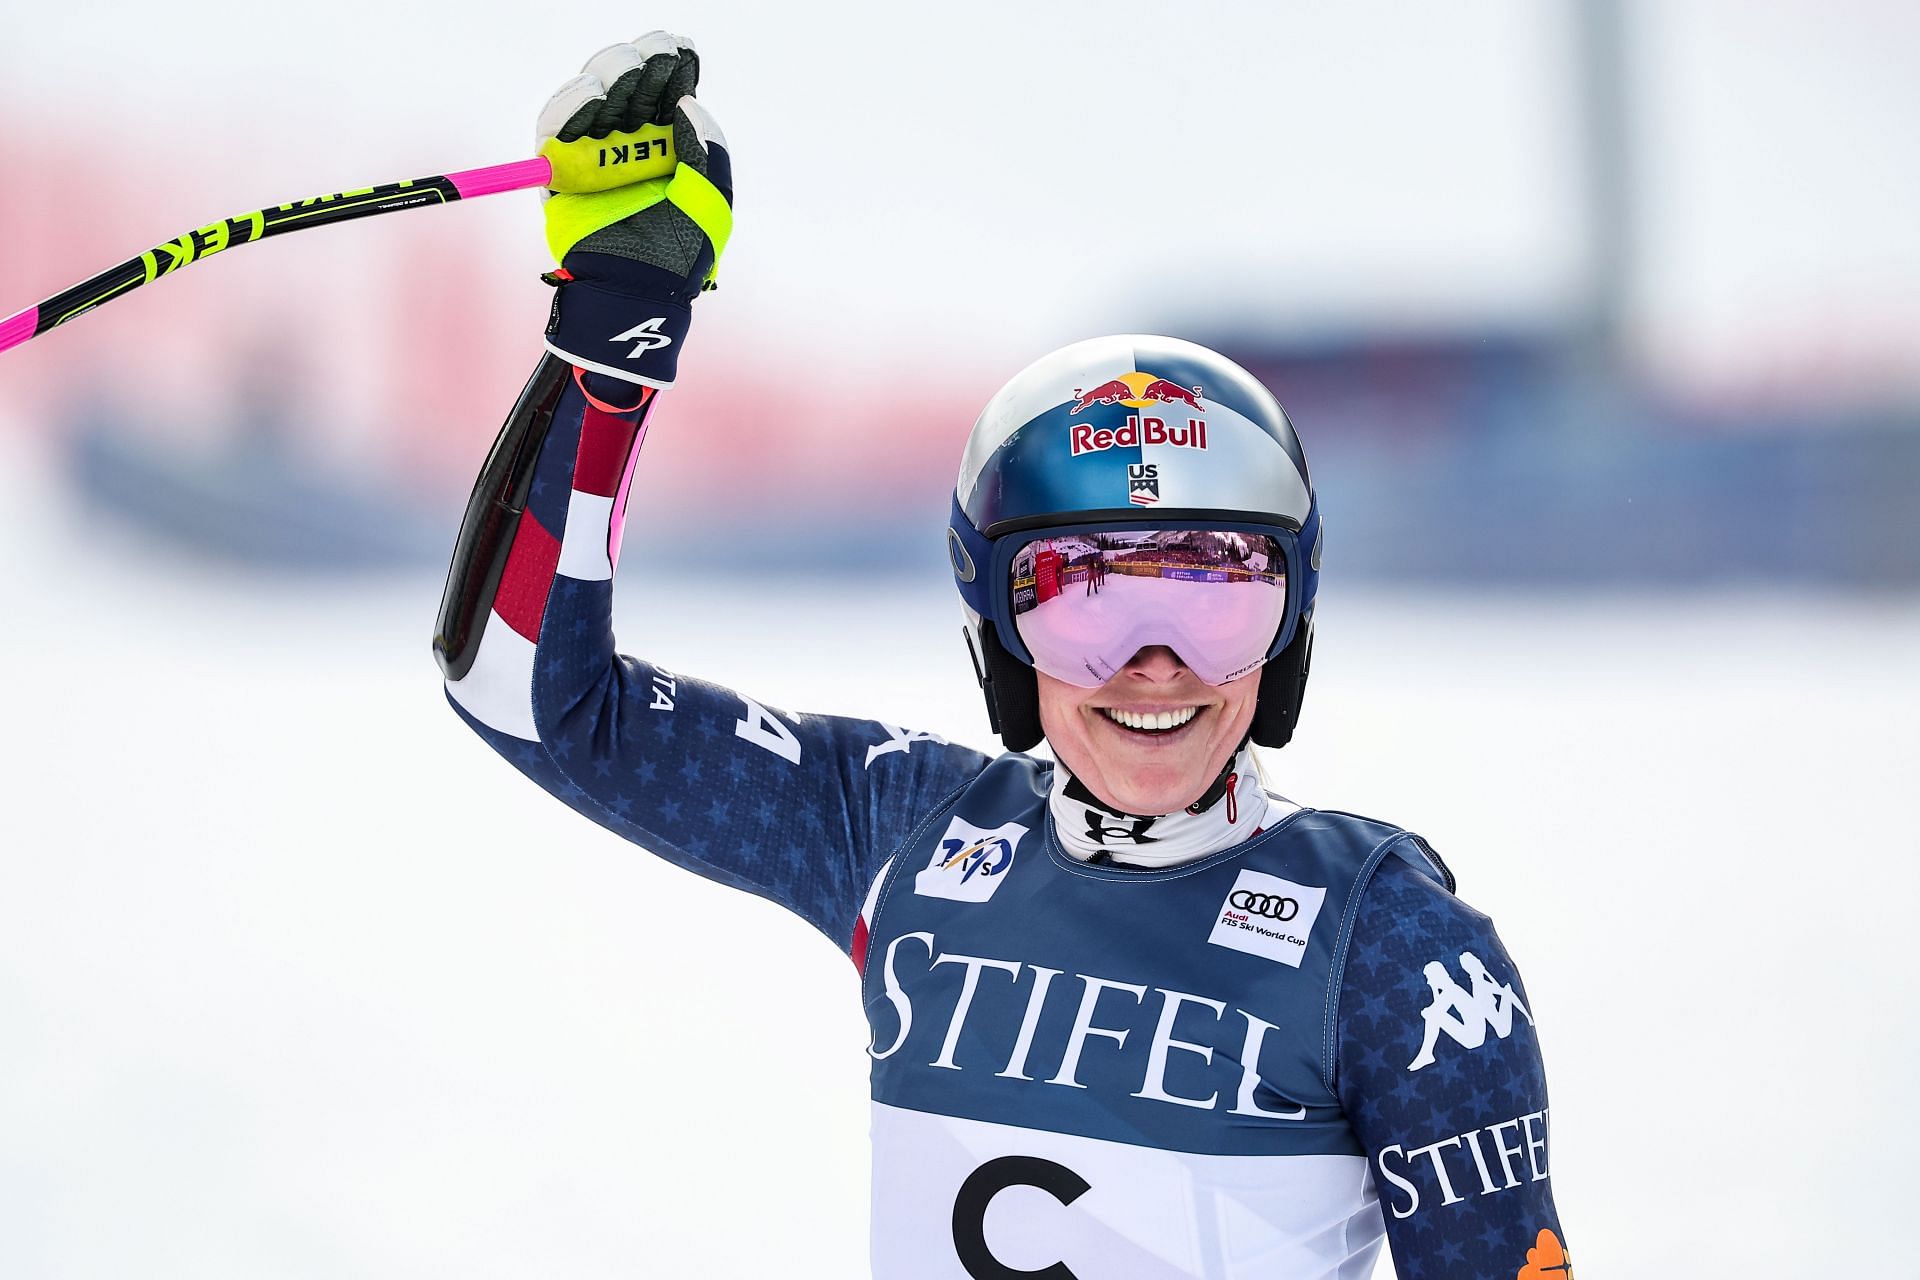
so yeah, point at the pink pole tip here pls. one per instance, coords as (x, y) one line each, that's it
(515, 176)
(17, 328)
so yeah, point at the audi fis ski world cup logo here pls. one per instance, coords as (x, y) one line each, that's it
(968, 863)
(1268, 916)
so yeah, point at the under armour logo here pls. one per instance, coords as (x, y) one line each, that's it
(1466, 1014)
(1100, 832)
(647, 335)
(899, 740)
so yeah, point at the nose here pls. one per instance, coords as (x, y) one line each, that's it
(1155, 662)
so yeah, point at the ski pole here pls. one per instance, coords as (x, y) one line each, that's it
(203, 242)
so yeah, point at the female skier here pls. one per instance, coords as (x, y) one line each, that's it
(1132, 1016)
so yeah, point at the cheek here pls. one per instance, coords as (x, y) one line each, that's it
(1058, 708)
(1237, 714)
(1061, 723)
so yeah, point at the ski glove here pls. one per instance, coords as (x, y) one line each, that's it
(640, 210)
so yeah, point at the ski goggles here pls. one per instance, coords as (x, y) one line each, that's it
(1083, 602)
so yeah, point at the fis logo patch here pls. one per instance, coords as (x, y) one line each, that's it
(969, 862)
(1267, 916)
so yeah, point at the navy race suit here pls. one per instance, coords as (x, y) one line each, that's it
(1259, 1063)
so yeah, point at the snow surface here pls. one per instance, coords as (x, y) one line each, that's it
(298, 980)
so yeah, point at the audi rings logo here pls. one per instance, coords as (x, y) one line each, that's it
(1271, 905)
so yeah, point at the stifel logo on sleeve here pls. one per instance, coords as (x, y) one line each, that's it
(1268, 916)
(969, 862)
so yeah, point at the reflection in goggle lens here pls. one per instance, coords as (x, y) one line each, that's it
(1085, 603)
(1044, 568)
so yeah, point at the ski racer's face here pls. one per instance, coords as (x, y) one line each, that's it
(1111, 740)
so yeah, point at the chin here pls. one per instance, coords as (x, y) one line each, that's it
(1153, 796)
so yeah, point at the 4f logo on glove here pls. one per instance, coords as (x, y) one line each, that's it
(647, 335)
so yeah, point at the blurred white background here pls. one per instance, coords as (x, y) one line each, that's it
(297, 979)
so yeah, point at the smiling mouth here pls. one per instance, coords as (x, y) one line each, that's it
(1151, 722)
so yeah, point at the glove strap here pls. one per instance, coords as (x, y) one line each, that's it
(633, 337)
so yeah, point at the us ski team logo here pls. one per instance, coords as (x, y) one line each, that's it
(1467, 1013)
(969, 862)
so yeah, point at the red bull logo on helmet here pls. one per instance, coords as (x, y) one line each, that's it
(1137, 391)
(1138, 430)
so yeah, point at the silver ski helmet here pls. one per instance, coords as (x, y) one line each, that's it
(1131, 432)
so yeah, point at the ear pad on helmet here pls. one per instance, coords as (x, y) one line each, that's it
(1012, 692)
(1283, 683)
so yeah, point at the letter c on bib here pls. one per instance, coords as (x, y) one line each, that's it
(978, 1191)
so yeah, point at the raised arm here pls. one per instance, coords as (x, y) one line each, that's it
(800, 809)
(1439, 1071)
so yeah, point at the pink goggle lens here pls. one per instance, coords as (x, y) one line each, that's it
(1085, 604)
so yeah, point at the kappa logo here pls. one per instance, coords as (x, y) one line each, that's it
(969, 862)
(1268, 916)
(646, 335)
(1466, 1014)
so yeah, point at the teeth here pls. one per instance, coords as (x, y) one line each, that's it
(1151, 719)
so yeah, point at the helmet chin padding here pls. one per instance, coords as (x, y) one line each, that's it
(1011, 688)
(1013, 691)
(1283, 684)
